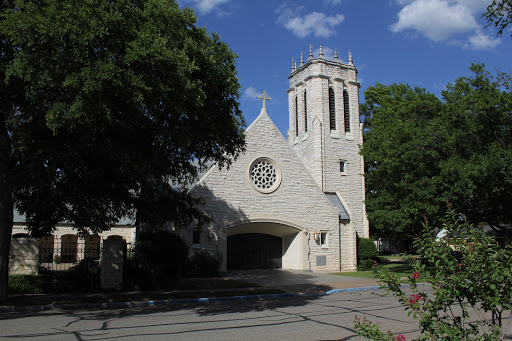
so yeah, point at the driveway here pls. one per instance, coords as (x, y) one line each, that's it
(298, 281)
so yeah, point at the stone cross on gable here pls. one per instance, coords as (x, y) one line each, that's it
(264, 98)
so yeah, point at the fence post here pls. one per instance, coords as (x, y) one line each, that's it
(112, 263)
(24, 256)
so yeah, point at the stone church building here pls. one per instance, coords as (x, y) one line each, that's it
(294, 203)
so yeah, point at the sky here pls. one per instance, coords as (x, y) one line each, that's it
(425, 43)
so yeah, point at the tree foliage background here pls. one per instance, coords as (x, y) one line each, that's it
(499, 14)
(105, 104)
(421, 152)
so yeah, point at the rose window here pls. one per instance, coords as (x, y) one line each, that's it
(265, 175)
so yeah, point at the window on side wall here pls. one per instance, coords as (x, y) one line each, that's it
(323, 239)
(343, 167)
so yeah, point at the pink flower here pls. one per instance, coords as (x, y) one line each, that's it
(416, 275)
(400, 338)
(414, 298)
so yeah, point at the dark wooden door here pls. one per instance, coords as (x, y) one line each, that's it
(254, 251)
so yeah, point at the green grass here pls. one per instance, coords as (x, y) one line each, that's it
(395, 257)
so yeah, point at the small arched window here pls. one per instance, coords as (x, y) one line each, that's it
(332, 112)
(346, 111)
(296, 116)
(305, 112)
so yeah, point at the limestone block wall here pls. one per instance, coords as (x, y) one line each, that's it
(298, 202)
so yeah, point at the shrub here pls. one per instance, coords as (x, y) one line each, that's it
(366, 264)
(83, 277)
(26, 284)
(366, 249)
(203, 264)
(159, 256)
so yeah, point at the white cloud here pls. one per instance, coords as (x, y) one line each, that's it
(442, 20)
(333, 2)
(318, 24)
(476, 7)
(436, 19)
(480, 41)
(252, 93)
(206, 6)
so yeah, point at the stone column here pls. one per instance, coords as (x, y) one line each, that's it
(112, 256)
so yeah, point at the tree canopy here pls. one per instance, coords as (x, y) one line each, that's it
(422, 152)
(105, 104)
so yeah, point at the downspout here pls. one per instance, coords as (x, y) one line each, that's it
(322, 136)
(339, 248)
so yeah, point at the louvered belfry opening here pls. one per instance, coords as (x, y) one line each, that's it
(305, 112)
(296, 117)
(332, 113)
(346, 111)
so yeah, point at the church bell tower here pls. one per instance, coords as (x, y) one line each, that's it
(325, 131)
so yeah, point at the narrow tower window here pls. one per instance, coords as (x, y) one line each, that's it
(296, 117)
(346, 111)
(305, 112)
(342, 167)
(332, 113)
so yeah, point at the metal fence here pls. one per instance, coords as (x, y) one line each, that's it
(62, 256)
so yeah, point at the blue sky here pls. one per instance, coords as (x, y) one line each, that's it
(427, 43)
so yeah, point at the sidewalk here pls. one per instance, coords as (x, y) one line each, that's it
(299, 282)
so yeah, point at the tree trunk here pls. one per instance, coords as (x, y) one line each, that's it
(6, 208)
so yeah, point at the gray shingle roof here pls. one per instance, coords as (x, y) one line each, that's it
(336, 202)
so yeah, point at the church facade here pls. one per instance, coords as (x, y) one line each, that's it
(295, 203)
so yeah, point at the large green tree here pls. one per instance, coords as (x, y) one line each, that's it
(104, 105)
(421, 152)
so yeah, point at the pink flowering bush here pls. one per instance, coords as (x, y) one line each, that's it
(400, 338)
(414, 298)
(472, 287)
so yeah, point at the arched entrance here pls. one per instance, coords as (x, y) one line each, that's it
(264, 245)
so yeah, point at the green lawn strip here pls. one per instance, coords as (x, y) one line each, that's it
(401, 270)
(391, 257)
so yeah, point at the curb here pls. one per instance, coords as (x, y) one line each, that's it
(139, 304)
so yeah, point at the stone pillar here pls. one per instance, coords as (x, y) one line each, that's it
(24, 256)
(112, 256)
